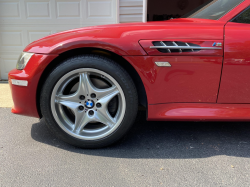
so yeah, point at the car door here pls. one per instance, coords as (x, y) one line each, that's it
(235, 80)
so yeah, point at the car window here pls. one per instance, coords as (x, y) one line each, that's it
(243, 17)
(214, 9)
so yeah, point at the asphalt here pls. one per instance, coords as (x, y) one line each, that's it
(152, 154)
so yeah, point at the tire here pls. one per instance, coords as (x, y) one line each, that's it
(89, 101)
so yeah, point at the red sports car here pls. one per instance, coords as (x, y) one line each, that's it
(88, 83)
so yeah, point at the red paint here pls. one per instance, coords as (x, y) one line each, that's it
(199, 112)
(190, 79)
(122, 39)
(24, 98)
(235, 81)
(186, 91)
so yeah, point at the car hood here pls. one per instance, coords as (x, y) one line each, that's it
(124, 37)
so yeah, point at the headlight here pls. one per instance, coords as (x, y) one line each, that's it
(23, 60)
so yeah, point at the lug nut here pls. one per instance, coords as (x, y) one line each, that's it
(98, 105)
(82, 97)
(91, 112)
(93, 95)
(81, 107)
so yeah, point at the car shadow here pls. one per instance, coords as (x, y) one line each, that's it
(172, 140)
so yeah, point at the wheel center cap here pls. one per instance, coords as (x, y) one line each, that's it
(89, 104)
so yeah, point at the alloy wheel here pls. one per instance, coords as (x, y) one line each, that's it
(88, 104)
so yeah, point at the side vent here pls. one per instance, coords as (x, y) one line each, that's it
(175, 47)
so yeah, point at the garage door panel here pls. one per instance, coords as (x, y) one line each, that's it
(100, 10)
(11, 38)
(38, 10)
(7, 63)
(24, 21)
(35, 35)
(17, 38)
(87, 12)
(66, 10)
(10, 9)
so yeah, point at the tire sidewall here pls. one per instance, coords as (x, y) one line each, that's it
(103, 64)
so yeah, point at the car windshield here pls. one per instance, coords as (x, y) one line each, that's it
(213, 9)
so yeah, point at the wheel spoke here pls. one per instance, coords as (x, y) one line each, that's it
(100, 93)
(82, 89)
(83, 84)
(103, 113)
(107, 95)
(81, 121)
(72, 105)
(67, 98)
(81, 118)
(104, 117)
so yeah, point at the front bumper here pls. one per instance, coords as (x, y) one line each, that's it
(25, 97)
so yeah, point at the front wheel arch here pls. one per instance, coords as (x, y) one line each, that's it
(100, 52)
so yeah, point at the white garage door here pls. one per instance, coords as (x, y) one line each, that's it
(23, 21)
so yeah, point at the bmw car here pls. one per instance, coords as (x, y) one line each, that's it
(88, 83)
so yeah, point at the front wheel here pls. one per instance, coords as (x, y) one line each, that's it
(89, 101)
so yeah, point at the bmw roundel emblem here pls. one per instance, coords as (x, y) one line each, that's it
(89, 104)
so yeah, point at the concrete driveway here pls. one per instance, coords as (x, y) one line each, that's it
(152, 154)
(5, 95)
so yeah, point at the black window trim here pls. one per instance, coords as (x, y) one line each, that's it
(232, 20)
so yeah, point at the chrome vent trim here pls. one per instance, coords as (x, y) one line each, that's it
(189, 46)
(165, 45)
(176, 46)
(180, 50)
